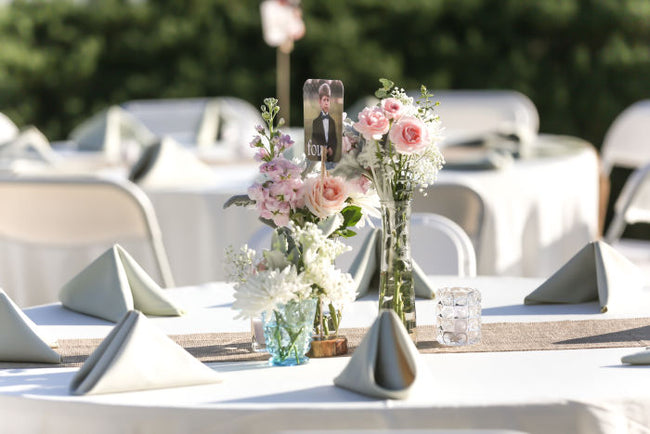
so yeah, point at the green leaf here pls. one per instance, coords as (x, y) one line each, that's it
(239, 200)
(346, 233)
(351, 215)
(387, 84)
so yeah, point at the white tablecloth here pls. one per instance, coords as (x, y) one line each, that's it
(573, 391)
(539, 211)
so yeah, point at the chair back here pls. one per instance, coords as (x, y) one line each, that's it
(51, 228)
(220, 127)
(627, 140)
(113, 132)
(459, 203)
(466, 114)
(440, 246)
(632, 205)
(179, 118)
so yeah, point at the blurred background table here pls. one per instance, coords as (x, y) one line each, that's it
(539, 211)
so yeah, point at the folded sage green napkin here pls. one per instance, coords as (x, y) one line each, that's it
(365, 268)
(167, 164)
(113, 284)
(638, 358)
(386, 363)
(20, 338)
(138, 356)
(596, 273)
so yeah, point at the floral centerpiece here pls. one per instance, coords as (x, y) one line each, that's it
(308, 212)
(394, 145)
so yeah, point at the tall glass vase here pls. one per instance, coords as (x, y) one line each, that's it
(396, 290)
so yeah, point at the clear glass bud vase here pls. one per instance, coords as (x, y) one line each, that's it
(396, 290)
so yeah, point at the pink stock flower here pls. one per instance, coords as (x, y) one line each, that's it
(255, 143)
(372, 123)
(409, 135)
(275, 200)
(284, 142)
(280, 168)
(325, 196)
(392, 108)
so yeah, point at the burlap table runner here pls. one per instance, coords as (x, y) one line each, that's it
(558, 335)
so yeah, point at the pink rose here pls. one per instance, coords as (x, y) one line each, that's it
(372, 123)
(325, 196)
(409, 135)
(392, 108)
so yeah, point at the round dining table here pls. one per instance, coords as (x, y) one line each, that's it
(576, 385)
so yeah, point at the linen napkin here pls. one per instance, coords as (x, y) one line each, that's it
(29, 144)
(168, 164)
(365, 268)
(596, 272)
(113, 284)
(386, 364)
(20, 338)
(138, 356)
(638, 358)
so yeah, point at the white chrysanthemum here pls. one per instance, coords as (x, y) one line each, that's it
(267, 289)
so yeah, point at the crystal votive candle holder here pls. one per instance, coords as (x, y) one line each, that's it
(458, 316)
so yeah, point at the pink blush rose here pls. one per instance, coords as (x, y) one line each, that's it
(327, 196)
(409, 135)
(392, 108)
(372, 123)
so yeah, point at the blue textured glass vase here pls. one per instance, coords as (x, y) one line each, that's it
(288, 332)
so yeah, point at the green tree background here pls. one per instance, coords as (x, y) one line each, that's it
(580, 61)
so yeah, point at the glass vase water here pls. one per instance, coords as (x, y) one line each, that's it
(396, 289)
(288, 332)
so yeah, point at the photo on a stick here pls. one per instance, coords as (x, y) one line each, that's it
(323, 114)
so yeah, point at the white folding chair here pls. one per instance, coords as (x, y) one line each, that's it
(179, 118)
(627, 140)
(631, 207)
(51, 228)
(114, 133)
(219, 127)
(438, 245)
(459, 203)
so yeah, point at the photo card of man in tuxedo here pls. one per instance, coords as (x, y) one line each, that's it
(323, 114)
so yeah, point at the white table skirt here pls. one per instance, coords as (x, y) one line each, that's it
(573, 391)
